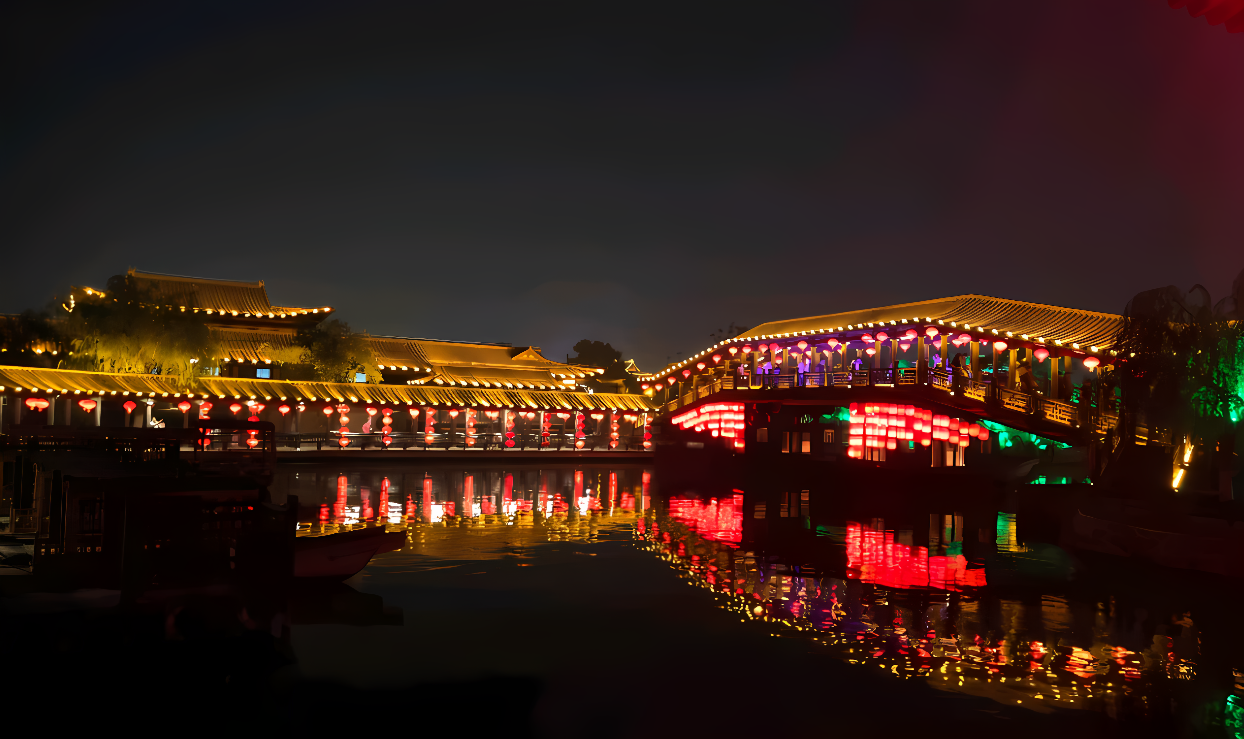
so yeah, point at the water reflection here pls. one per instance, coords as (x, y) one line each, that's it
(872, 599)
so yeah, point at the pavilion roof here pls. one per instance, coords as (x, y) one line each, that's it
(469, 359)
(232, 298)
(27, 380)
(1055, 326)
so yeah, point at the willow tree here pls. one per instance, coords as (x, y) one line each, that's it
(1181, 366)
(124, 330)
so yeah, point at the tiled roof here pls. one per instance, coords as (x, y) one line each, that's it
(979, 315)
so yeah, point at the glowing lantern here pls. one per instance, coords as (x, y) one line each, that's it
(371, 411)
(36, 404)
(965, 338)
(802, 345)
(204, 407)
(414, 412)
(983, 434)
(659, 386)
(343, 420)
(129, 406)
(235, 407)
(867, 338)
(716, 358)
(910, 334)
(882, 336)
(1041, 353)
(1091, 362)
(643, 386)
(579, 444)
(700, 366)
(343, 430)
(283, 409)
(88, 405)
(328, 410)
(904, 345)
(931, 331)
(671, 380)
(999, 346)
(870, 351)
(343, 442)
(686, 373)
(387, 440)
(453, 413)
(252, 442)
(762, 348)
(832, 343)
(747, 348)
(734, 350)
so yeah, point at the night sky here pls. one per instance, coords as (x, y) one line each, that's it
(541, 173)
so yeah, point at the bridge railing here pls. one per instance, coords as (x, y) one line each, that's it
(981, 390)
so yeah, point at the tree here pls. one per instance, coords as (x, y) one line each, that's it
(729, 332)
(1181, 363)
(30, 339)
(335, 353)
(594, 354)
(123, 330)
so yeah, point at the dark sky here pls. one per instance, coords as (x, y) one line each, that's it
(541, 173)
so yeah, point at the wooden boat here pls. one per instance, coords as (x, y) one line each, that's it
(342, 555)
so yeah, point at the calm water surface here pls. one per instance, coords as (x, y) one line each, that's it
(605, 590)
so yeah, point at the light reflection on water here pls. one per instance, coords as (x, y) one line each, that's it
(869, 606)
(868, 598)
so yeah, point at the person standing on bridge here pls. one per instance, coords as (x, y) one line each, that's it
(958, 374)
(1024, 378)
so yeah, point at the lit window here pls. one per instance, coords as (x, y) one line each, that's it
(263, 374)
(762, 435)
(828, 436)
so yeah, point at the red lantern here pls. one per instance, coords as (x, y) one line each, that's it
(671, 380)
(258, 407)
(686, 373)
(343, 420)
(867, 338)
(343, 442)
(579, 444)
(371, 411)
(700, 366)
(931, 331)
(252, 442)
(328, 410)
(909, 334)
(283, 409)
(235, 407)
(983, 433)
(1041, 353)
(643, 386)
(184, 406)
(747, 348)
(1091, 362)
(832, 343)
(659, 386)
(88, 405)
(870, 351)
(414, 412)
(129, 406)
(253, 419)
(802, 345)
(387, 440)
(882, 336)
(716, 358)
(965, 338)
(904, 345)
(204, 407)
(36, 404)
(999, 346)
(734, 350)
(763, 348)
(453, 413)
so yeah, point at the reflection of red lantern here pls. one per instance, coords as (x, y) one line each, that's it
(184, 406)
(344, 430)
(129, 406)
(283, 409)
(343, 442)
(252, 442)
(204, 407)
(87, 404)
(253, 419)
(387, 440)
(1091, 362)
(344, 419)
(259, 407)
(579, 444)
(235, 407)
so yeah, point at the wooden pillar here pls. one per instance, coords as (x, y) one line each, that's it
(52, 401)
(1010, 367)
(975, 366)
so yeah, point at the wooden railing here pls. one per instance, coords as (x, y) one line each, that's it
(982, 391)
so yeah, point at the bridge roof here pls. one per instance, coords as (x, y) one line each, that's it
(1068, 329)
